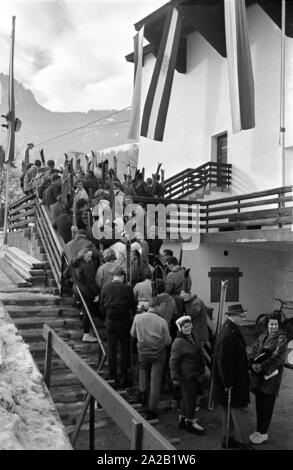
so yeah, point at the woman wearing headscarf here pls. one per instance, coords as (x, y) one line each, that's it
(266, 363)
(187, 364)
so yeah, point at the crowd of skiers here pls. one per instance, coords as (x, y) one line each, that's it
(145, 304)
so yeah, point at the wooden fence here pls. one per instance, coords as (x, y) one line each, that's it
(272, 208)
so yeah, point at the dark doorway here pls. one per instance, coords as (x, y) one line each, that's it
(222, 157)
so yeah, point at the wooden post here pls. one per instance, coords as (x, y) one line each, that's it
(136, 435)
(5, 239)
(48, 360)
(92, 423)
(80, 420)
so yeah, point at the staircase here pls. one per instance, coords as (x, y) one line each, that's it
(29, 312)
(199, 181)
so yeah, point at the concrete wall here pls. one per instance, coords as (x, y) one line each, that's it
(266, 274)
(200, 109)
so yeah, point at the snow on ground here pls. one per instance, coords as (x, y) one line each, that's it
(28, 419)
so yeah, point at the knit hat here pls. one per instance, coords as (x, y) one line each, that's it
(182, 320)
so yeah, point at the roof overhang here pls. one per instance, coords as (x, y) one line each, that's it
(206, 17)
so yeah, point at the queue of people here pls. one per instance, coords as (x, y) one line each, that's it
(166, 320)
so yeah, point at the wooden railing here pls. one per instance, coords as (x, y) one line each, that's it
(22, 213)
(191, 180)
(141, 434)
(50, 242)
(255, 210)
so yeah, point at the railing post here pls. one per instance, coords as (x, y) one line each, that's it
(92, 423)
(80, 420)
(48, 360)
(281, 205)
(136, 435)
(207, 217)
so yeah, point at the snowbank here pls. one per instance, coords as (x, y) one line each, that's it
(28, 419)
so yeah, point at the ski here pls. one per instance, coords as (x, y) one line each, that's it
(128, 262)
(224, 286)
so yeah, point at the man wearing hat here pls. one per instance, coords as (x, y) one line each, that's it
(231, 372)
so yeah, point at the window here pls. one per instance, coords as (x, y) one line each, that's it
(222, 274)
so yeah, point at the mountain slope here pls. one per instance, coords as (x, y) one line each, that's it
(39, 125)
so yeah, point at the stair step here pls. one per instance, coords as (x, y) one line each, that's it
(35, 322)
(24, 299)
(23, 257)
(44, 310)
(18, 280)
(18, 267)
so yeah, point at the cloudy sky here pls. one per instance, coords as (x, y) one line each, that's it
(71, 53)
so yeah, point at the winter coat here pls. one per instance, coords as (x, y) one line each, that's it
(231, 366)
(117, 300)
(91, 182)
(175, 281)
(152, 334)
(143, 290)
(167, 308)
(196, 309)
(83, 274)
(187, 359)
(139, 270)
(275, 344)
(73, 247)
(51, 193)
(143, 190)
(63, 225)
(105, 273)
(29, 178)
(157, 189)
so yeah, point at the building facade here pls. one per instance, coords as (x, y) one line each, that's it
(199, 129)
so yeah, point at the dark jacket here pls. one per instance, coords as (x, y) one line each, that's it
(175, 281)
(91, 182)
(83, 275)
(276, 346)
(81, 241)
(143, 190)
(186, 360)
(50, 194)
(231, 366)
(157, 189)
(117, 301)
(63, 225)
(197, 310)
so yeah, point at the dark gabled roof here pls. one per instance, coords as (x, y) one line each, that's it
(206, 17)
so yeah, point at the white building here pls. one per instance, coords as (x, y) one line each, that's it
(198, 130)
